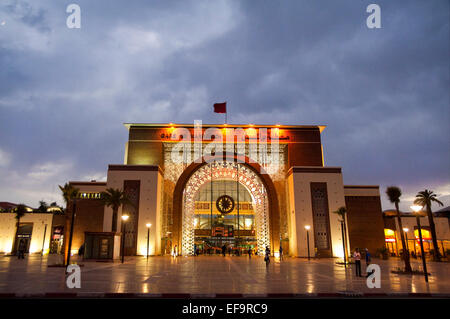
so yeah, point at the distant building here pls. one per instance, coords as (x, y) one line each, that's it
(34, 226)
(393, 237)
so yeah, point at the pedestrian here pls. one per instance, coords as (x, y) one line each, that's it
(249, 253)
(368, 259)
(81, 250)
(175, 251)
(224, 250)
(281, 253)
(357, 258)
(21, 249)
(267, 256)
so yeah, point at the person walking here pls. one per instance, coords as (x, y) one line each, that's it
(249, 253)
(368, 257)
(281, 253)
(357, 258)
(21, 249)
(224, 250)
(81, 250)
(267, 256)
(368, 260)
(175, 251)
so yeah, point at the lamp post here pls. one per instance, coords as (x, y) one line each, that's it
(417, 209)
(148, 235)
(307, 227)
(43, 242)
(343, 244)
(406, 237)
(124, 219)
(74, 208)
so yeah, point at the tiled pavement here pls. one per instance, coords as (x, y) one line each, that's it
(214, 275)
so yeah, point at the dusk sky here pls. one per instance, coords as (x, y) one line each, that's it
(383, 93)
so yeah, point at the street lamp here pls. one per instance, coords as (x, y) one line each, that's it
(43, 242)
(343, 243)
(72, 222)
(406, 237)
(148, 235)
(417, 209)
(307, 227)
(124, 219)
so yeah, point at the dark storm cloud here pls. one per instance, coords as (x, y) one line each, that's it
(383, 93)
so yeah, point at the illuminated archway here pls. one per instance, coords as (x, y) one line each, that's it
(225, 171)
(270, 198)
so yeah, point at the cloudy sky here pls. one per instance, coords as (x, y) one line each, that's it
(383, 93)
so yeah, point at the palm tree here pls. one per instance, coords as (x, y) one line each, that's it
(342, 212)
(114, 198)
(20, 211)
(425, 199)
(69, 194)
(394, 193)
(55, 209)
(42, 206)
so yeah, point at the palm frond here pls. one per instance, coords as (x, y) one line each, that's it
(20, 211)
(68, 192)
(115, 198)
(425, 198)
(394, 193)
(341, 211)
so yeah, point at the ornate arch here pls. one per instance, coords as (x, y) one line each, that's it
(273, 205)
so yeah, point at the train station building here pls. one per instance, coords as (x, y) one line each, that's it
(202, 187)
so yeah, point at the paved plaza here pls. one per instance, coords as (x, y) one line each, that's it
(214, 275)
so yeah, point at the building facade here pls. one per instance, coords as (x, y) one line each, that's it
(411, 232)
(42, 232)
(204, 187)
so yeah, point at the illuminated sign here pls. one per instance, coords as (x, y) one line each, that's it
(223, 231)
(389, 235)
(426, 235)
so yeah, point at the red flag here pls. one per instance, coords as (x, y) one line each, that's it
(220, 107)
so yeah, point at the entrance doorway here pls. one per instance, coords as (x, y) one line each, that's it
(224, 217)
(24, 234)
(225, 206)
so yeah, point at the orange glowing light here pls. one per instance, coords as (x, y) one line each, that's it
(251, 132)
(426, 235)
(389, 233)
